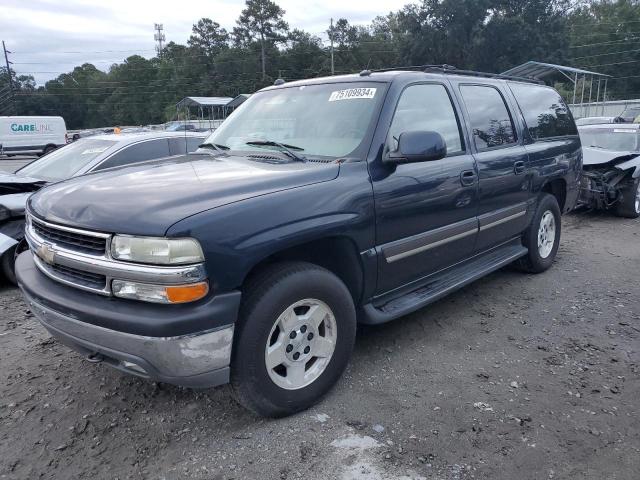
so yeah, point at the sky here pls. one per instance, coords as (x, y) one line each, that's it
(50, 37)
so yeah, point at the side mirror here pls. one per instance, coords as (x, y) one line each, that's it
(418, 146)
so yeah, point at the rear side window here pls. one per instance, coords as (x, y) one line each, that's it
(427, 107)
(193, 143)
(182, 145)
(545, 114)
(138, 152)
(489, 116)
(177, 146)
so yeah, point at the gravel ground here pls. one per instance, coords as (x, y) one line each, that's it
(516, 376)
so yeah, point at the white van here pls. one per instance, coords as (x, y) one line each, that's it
(31, 135)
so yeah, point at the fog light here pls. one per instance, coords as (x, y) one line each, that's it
(159, 293)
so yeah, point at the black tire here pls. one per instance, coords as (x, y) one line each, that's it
(8, 265)
(265, 297)
(48, 149)
(534, 262)
(628, 206)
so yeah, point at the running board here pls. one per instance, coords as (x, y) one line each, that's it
(443, 283)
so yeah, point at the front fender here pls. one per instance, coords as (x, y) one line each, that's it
(238, 236)
(633, 164)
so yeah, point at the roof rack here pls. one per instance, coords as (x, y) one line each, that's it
(450, 69)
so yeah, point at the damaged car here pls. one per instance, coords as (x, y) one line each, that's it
(78, 158)
(611, 169)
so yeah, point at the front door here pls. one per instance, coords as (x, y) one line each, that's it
(503, 167)
(425, 211)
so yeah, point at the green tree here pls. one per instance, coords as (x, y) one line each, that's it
(209, 37)
(604, 38)
(261, 21)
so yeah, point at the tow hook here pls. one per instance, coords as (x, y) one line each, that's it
(95, 357)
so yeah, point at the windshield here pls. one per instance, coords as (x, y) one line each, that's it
(329, 120)
(616, 139)
(66, 161)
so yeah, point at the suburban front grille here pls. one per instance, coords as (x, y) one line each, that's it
(72, 240)
(78, 277)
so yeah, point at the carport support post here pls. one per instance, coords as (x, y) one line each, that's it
(598, 94)
(590, 91)
(575, 87)
(604, 95)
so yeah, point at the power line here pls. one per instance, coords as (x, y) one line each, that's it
(606, 43)
(605, 54)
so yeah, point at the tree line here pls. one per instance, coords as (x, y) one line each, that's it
(486, 35)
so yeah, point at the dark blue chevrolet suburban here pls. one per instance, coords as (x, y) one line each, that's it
(317, 205)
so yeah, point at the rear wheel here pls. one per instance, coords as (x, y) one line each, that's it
(629, 204)
(542, 237)
(48, 149)
(293, 340)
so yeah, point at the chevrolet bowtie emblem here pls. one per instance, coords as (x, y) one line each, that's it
(46, 253)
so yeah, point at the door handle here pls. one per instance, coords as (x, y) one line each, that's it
(519, 168)
(468, 177)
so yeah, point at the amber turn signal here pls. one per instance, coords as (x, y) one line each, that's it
(187, 293)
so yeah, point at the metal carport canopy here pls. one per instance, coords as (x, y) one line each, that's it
(203, 102)
(541, 70)
(239, 100)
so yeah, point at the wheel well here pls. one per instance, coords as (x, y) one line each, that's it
(339, 255)
(557, 188)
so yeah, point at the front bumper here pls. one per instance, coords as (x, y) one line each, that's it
(194, 359)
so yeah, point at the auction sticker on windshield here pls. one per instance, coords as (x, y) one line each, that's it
(352, 93)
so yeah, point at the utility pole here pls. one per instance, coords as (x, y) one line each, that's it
(159, 37)
(7, 62)
(331, 40)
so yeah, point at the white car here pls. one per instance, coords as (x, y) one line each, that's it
(31, 135)
(83, 156)
(611, 168)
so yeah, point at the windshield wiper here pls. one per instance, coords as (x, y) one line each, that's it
(288, 149)
(216, 146)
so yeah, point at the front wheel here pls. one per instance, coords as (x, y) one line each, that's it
(542, 237)
(629, 204)
(294, 338)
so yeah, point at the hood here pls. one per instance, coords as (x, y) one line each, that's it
(148, 199)
(12, 183)
(599, 156)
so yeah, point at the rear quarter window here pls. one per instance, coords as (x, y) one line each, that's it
(544, 111)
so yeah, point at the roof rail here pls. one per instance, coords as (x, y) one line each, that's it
(450, 69)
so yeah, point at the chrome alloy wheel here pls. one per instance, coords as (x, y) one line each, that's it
(301, 344)
(637, 202)
(546, 234)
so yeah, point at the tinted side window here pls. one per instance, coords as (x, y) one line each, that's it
(138, 152)
(427, 107)
(544, 111)
(177, 146)
(490, 119)
(193, 143)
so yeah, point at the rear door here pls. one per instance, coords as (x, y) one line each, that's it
(553, 144)
(426, 211)
(502, 161)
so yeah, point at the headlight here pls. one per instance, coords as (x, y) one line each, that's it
(158, 251)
